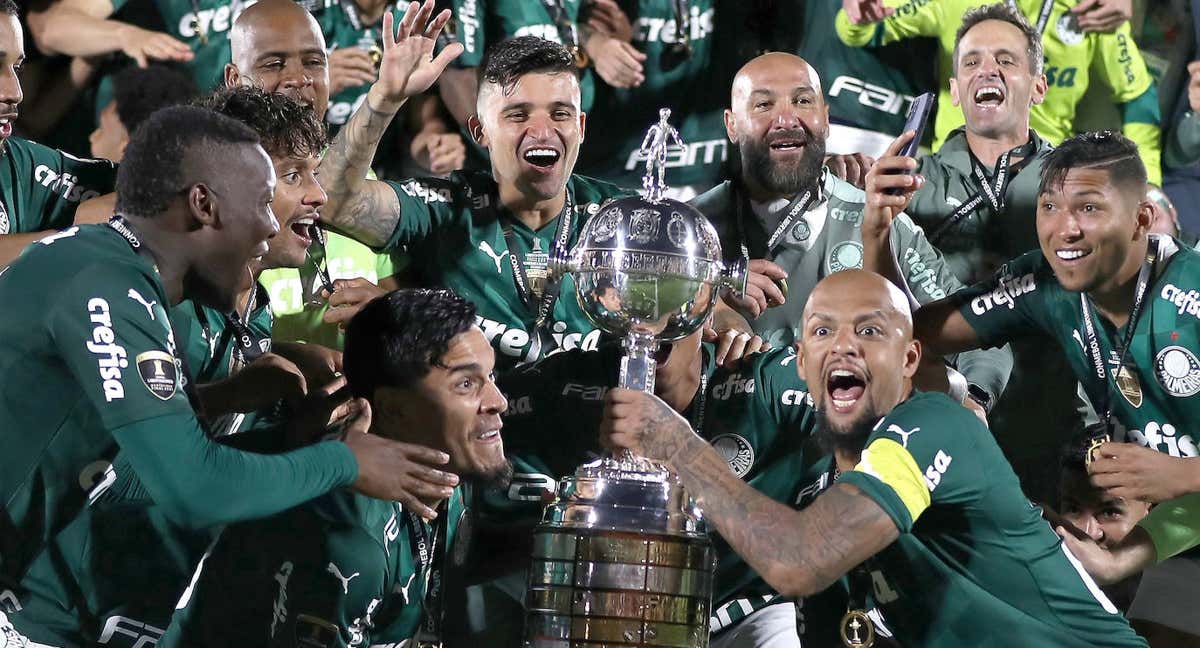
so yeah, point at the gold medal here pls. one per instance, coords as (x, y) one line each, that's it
(1130, 386)
(376, 55)
(581, 57)
(200, 31)
(857, 630)
(1095, 443)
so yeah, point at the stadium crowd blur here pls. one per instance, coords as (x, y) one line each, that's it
(370, 205)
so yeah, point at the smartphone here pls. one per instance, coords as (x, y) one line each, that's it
(918, 117)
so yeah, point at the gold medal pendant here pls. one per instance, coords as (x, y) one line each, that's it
(857, 630)
(376, 53)
(1130, 386)
(200, 31)
(581, 57)
(1095, 443)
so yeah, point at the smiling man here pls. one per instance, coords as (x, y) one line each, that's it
(1125, 307)
(921, 510)
(487, 236)
(40, 187)
(347, 569)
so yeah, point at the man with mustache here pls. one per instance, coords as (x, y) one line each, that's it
(921, 511)
(795, 219)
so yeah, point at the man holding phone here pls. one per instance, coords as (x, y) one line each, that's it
(976, 204)
(795, 220)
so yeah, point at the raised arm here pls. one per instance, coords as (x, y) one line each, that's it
(797, 552)
(368, 210)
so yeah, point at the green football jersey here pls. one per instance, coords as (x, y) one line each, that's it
(454, 232)
(758, 417)
(1155, 394)
(343, 27)
(344, 570)
(975, 563)
(1072, 58)
(295, 302)
(694, 86)
(97, 353)
(40, 187)
(204, 26)
(827, 238)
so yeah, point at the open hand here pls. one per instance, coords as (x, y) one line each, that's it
(408, 66)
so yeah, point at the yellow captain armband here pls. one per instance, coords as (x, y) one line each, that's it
(891, 463)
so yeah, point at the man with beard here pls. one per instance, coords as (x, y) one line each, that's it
(758, 416)
(797, 220)
(39, 186)
(922, 512)
(117, 569)
(348, 569)
(487, 236)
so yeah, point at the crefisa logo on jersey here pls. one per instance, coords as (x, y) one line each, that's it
(737, 451)
(4, 224)
(1006, 292)
(1178, 371)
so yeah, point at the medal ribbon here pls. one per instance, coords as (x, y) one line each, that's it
(1093, 338)
(429, 551)
(544, 309)
(992, 188)
(796, 209)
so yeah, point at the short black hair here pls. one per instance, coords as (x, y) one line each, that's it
(509, 60)
(1003, 12)
(397, 339)
(1073, 454)
(152, 171)
(9, 7)
(286, 128)
(1102, 150)
(138, 92)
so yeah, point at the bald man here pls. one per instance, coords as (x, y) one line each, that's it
(794, 218)
(921, 512)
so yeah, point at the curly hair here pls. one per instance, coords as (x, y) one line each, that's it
(509, 60)
(138, 92)
(9, 7)
(285, 127)
(397, 339)
(151, 173)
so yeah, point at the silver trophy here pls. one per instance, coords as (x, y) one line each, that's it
(622, 557)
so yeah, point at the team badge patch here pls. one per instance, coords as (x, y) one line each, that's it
(845, 255)
(606, 226)
(1130, 386)
(737, 452)
(800, 231)
(1178, 371)
(1068, 29)
(677, 231)
(158, 372)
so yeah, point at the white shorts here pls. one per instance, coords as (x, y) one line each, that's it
(771, 627)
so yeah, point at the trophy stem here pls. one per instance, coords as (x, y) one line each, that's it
(637, 365)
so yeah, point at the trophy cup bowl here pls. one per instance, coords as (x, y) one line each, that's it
(622, 557)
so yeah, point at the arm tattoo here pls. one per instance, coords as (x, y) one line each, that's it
(364, 210)
(797, 552)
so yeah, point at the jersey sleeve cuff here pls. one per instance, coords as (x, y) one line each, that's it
(343, 459)
(1174, 526)
(888, 474)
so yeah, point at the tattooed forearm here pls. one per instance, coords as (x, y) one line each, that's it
(363, 209)
(797, 552)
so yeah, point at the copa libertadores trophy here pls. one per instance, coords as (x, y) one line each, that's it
(622, 557)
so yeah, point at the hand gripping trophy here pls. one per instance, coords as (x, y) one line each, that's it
(622, 557)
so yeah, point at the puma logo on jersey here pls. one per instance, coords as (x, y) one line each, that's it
(137, 297)
(404, 590)
(902, 433)
(110, 356)
(337, 573)
(486, 248)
